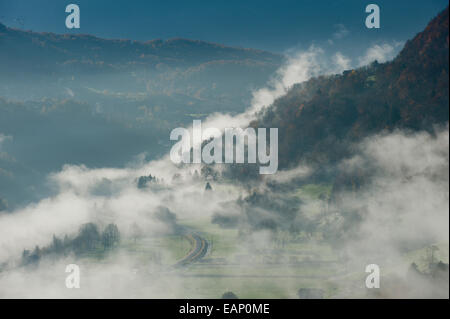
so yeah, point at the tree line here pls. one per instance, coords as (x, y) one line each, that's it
(88, 240)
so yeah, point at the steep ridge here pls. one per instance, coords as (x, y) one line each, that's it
(321, 119)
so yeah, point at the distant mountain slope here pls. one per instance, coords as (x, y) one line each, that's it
(48, 49)
(78, 99)
(321, 119)
(176, 66)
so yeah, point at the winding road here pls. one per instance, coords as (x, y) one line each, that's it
(197, 252)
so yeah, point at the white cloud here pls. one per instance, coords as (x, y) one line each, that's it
(380, 52)
(300, 67)
(286, 176)
(406, 202)
(341, 61)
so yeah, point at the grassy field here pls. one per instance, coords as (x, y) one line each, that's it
(263, 276)
(314, 191)
(179, 246)
(277, 271)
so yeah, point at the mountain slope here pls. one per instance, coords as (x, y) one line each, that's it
(49, 49)
(175, 66)
(321, 119)
(79, 99)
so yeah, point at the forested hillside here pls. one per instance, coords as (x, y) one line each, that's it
(321, 119)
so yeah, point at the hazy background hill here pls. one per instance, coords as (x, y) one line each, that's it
(79, 99)
(175, 66)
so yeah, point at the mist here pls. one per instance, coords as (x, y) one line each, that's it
(402, 206)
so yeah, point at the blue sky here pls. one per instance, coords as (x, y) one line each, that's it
(265, 24)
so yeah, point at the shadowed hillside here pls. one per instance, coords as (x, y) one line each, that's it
(175, 66)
